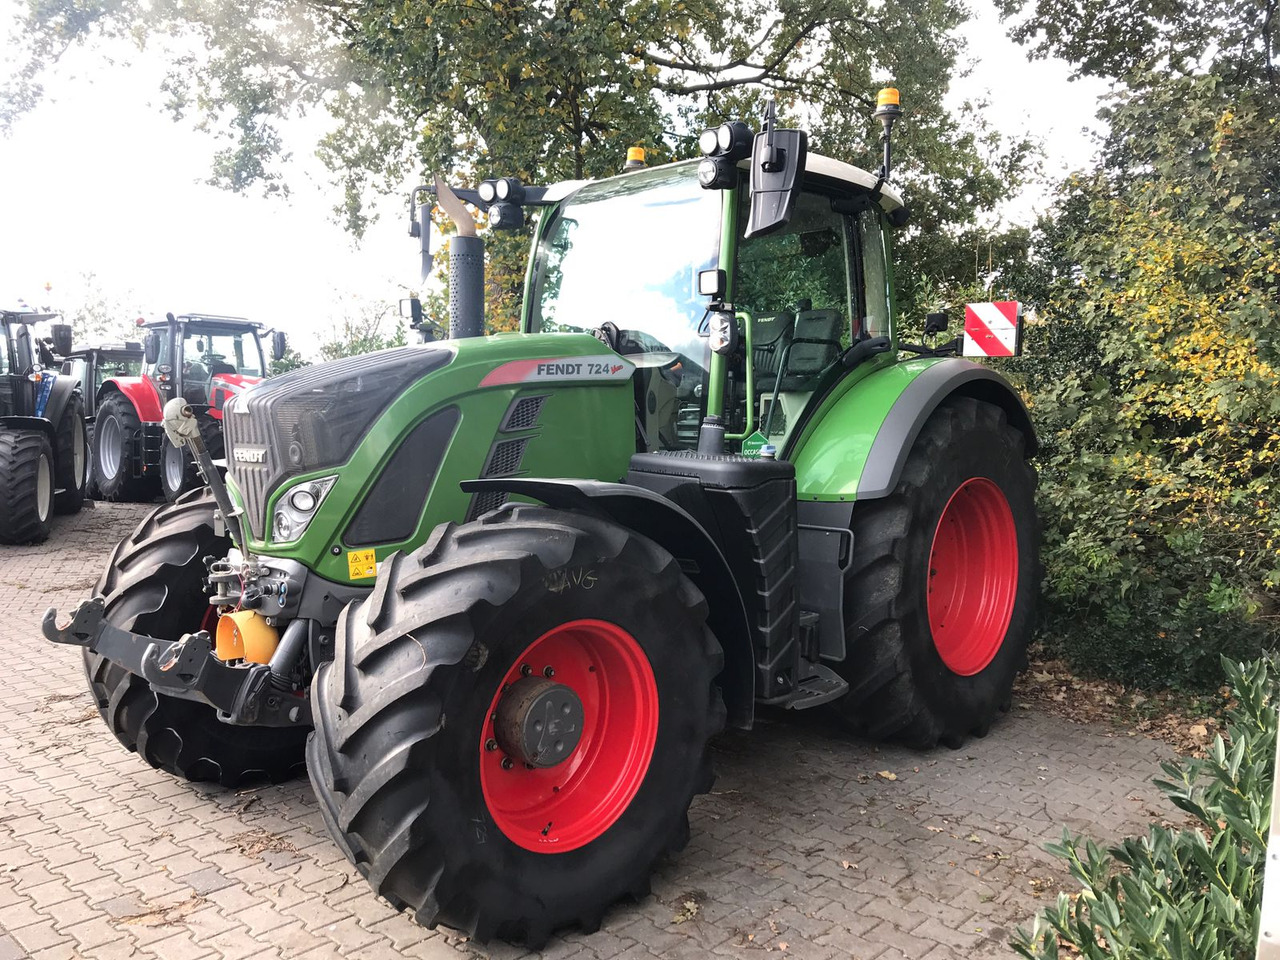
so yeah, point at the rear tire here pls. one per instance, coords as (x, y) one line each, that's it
(928, 660)
(26, 486)
(153, 586)
(73, 460)
(113, 460)
(400, 759)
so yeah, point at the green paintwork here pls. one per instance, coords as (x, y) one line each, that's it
(718, 371)
(831, 451)
(584, 430)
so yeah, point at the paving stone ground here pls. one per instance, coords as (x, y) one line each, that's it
(802, 844)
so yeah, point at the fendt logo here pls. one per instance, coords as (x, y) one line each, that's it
(249, 454)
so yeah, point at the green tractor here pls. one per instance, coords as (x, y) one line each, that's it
(496, 595)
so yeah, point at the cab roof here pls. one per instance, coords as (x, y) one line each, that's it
(210, 318)
(815, 165)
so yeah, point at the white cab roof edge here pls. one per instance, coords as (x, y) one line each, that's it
(890, 198)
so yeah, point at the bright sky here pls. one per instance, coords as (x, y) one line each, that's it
(98, 180)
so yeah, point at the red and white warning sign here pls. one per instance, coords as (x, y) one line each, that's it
(993, 329)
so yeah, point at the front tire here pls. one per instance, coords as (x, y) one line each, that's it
(26, 486)
(153, 586)
(73, 460)
(424, 792)
(176, 470)
(941, 592)
(113, 454)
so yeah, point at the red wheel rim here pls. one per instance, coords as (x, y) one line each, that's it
(973, 576)
(560, 808)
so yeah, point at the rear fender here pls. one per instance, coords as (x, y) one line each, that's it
(60, 395)
(681, 535)
(28, 423)
(139, 392)
(859, 446)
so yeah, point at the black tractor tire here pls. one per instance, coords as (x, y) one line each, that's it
(399, 751)
(26, 486)
(901, 687)
(153, 585)
(72, 461)
(91, 478)
(115, 426)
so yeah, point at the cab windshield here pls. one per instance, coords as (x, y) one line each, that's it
(208, 350)
(628, 251)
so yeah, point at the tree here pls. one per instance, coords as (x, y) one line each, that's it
(1235, 40)
(364, 328)
(552, 90)
(1156, 384)
(100, 317)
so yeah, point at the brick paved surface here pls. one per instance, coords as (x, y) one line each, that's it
(802, 843)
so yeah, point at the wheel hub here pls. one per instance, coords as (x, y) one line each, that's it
(539, 722)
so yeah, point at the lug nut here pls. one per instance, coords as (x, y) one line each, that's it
(548, 672)
(491, 744)
(525, 670)
(507, 763)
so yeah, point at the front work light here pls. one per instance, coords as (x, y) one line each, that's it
(296, 508)
(722, 328)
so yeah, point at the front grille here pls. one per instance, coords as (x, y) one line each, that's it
(251, 479)
(314, 418)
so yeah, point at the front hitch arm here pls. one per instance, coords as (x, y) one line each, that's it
(185, 668)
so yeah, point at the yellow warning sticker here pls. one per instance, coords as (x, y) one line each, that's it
(361, 564)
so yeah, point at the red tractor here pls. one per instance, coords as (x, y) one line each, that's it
(204, 358)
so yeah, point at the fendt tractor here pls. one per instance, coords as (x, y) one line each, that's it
(93, 366)
(504, 590)
(44, 452)
(203, 358)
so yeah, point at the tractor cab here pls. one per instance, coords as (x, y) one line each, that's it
(205, 359)
(24, 358)
(802, 294)
(202, 358)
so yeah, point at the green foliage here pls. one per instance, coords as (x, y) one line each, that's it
(292, 360)
(1155, 384)
(1188, 894)
(548, 91)
(96, 317)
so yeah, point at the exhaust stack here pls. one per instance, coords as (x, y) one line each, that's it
(466, 267)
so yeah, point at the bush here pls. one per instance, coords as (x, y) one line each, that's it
(1155, 385)
(1189, 893)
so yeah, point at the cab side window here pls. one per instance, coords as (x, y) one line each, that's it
(875, 273)
(4, 353)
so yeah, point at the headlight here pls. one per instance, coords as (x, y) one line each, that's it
(295, 508)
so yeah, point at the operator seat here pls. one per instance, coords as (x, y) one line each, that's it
(769, 341)
(220, 366)
(814, 347)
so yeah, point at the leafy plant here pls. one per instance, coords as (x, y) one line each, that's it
(1189, 894)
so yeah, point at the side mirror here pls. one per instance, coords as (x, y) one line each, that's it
(151, 347)
(777, 169)
(62, 338)
(411, 307)
(279, 345)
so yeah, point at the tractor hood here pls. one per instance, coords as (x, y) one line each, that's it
(379, 443)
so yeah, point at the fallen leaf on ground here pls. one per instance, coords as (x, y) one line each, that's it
(886, 775)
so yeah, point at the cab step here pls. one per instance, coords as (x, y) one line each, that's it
(822, 686)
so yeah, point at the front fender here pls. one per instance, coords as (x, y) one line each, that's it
(683, 537)
(139, 392)
(860, 443)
